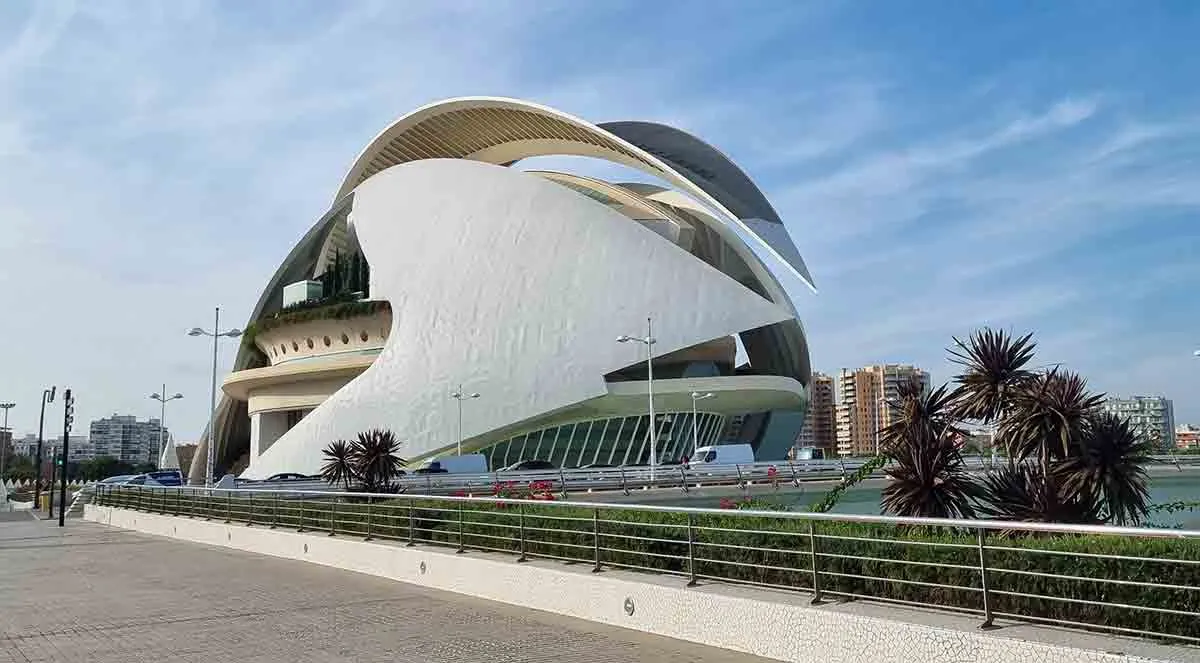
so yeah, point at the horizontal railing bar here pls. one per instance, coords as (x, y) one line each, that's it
(1101, 604)
(1001, 525)
(1115, 581)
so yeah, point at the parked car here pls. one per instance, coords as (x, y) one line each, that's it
(119, 479)
(167, 477)
(290, 476)
(466, 464)
(529, 465)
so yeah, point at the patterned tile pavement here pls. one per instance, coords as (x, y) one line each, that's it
(94, 594)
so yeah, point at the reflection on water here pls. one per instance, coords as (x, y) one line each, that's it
(865, 499)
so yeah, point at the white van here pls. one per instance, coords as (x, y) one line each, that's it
(723, 454)
(468, 464)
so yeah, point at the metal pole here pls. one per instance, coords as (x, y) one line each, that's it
(37, 480)
(162, 419)
(212, 413)
(459, 398)
(812, 548)
(522, 558)
(53, 474)
(695, 428)
(596, 539)
(650, 391)
(691, 550)
(8, 443)
(68, 401)
(987, 602)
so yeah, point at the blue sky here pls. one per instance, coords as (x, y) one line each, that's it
(941, 165)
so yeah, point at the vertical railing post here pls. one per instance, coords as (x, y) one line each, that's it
(691, 533)
(596, 540)
(461, 547)
(521, 526)
(983, 580)
(370, 505)
(178, 492)
(411, 525)
(228, 506)
(250, 509)
(812, 548)
(300, 527)
(332, 507)
(139, 499)
(274, 510)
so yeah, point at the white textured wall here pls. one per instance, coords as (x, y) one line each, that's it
(514, 286)
(774, 625)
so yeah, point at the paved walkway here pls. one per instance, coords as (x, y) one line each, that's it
(95, 594)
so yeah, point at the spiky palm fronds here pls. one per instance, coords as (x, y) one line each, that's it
(1107, 468)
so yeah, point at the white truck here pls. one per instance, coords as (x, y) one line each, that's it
(723, 454)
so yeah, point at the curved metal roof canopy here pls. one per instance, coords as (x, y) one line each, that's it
(502, 131)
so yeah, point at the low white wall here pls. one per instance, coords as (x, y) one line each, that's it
(778, 626)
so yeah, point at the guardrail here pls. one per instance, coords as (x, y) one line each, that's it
(630, 478)
(1133, 581)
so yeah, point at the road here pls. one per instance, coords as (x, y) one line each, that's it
(95, 594)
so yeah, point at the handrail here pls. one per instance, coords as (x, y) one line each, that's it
(996, 525)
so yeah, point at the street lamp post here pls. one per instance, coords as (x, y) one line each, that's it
(4, 444)
(649, 342)
(47, 397)
(216, 335)
(163, 399)
(696, 397)
(458, 395)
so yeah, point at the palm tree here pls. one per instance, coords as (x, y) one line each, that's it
(928, 477)
(1107, 468)
(1048, 415)
(1020, 493)
(339, 463)
(993, 365)
(373, 455)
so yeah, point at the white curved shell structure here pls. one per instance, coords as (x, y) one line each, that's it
(514, 285)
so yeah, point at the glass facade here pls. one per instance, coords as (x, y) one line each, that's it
(616, 441)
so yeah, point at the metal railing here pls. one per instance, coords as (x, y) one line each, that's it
(630, 478)
(1134, 581)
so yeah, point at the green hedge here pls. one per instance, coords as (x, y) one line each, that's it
(854, 560)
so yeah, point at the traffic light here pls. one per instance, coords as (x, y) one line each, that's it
(69, 414)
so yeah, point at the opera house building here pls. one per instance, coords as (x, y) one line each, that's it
(445, 265)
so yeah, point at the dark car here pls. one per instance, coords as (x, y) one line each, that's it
(528, 465)
(290, 476)
(433, 467)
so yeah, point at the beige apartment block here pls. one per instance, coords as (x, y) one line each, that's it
(819, 426)
(864, 404)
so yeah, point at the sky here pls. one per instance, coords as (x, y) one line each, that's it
(941, 166)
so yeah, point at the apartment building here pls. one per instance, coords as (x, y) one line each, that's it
(864, 404)
(820, 428)
(1152, 416)
(125, 438)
